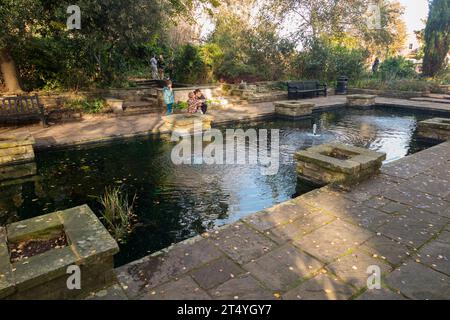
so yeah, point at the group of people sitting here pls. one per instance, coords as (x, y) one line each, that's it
(196, 102)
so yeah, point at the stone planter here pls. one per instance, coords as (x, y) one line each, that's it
(116, 105)
(293, 109)
(361, 100)
(338, 164)
(45, 275)
(185, 123)
(436, 128)
(15, 149)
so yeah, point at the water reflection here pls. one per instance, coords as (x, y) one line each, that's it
(176, 202)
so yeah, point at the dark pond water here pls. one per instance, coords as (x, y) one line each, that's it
(175, 202)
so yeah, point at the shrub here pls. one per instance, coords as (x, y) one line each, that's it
(396, 84)
(90, 106)
(117, 213)
(326, 62)
(397, 68)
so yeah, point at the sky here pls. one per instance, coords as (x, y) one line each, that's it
(416, 10)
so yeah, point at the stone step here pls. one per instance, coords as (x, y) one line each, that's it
(438, 96)
(434, 100)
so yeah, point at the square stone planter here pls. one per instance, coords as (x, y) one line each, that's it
(116, 105)
(338, 164)
(436, 128)
(185, 123)
(293, 109)
(361, 100)
(44, 275)
(16, 149)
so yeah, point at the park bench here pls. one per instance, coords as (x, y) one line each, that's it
(305, 89)
(21, 108)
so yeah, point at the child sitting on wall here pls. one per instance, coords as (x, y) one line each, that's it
(193, 103)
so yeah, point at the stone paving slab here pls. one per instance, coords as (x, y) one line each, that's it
(333, 240)
(352, 268)
(318, 246)
(182, 289)
(242, 288)
(417, 281)
(322, 287)
(280, 269)
(387, 249)
(437, 254)
(413, 227)
(140, 276)
(380, 294)
(216, 272)
(241, 243)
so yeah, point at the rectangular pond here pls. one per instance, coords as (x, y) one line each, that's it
(175, 202)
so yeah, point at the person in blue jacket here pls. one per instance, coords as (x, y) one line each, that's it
(169, 97)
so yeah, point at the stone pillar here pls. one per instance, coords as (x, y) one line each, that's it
(44, 275)
(15, 149)
(293, 109)
(116, 105)
(361, 100)
(338, 164)
(436, 128)
(188, 123)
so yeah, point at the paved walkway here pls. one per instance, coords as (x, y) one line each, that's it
(319, 245)
(95, 129)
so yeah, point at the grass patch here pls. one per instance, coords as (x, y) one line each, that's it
(117, 213)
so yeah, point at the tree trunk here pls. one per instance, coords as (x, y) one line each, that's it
(9, 71)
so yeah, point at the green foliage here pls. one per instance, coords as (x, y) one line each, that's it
(397, 68)
(196, 64)
(437, 37)
(326, 61)
(86, 105)
(396, 84)
(181, 105)
(117, 213)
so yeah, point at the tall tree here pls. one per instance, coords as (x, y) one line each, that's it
(437, 37)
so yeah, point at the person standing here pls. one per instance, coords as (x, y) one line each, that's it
(375, 65)
(169, 97)
(162, 67)
(154, 67)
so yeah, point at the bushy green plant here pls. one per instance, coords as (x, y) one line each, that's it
(396, 84)
(326, 61)
(117, 213)
(90, 106)
(397, 68)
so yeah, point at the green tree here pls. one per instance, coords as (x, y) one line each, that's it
(437, 37)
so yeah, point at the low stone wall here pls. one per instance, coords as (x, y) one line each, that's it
(45, 276)
(436, 128)
(338, 164)
(388, 93)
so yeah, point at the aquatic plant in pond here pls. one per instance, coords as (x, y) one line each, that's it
(117, 213)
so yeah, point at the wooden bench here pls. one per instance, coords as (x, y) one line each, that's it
(305, 89)
(21, 108)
